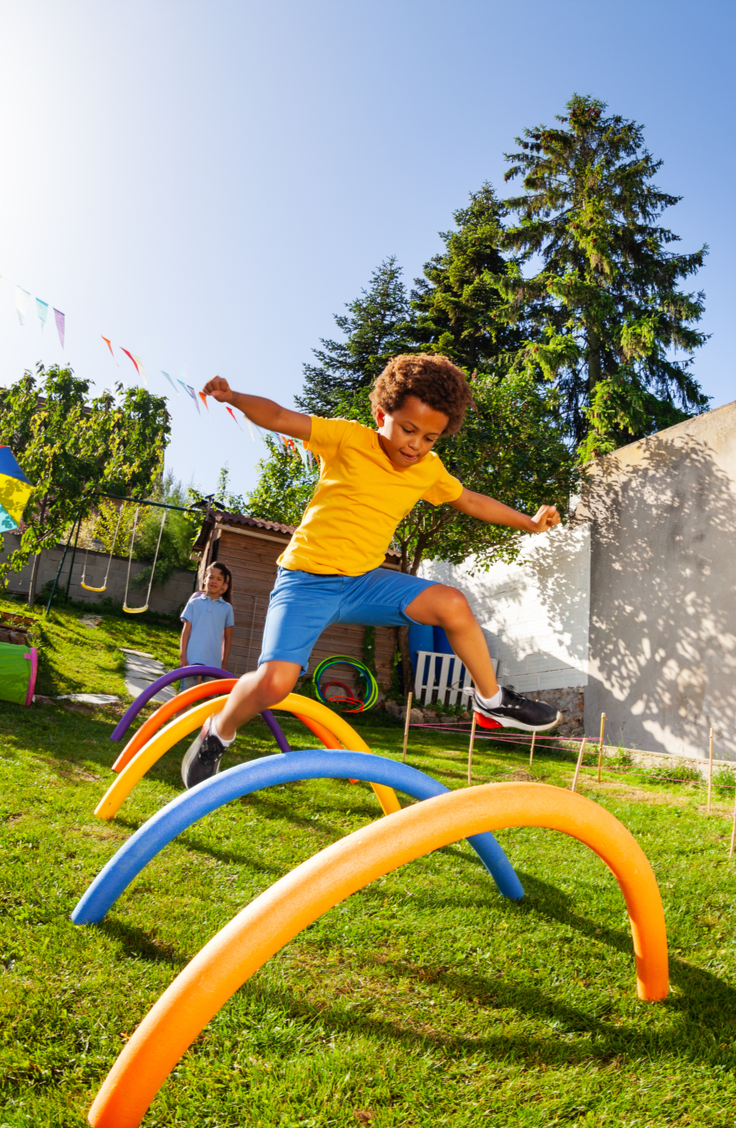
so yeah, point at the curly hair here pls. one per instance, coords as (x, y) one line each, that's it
(434, 380)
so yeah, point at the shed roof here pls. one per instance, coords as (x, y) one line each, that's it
(214, 518)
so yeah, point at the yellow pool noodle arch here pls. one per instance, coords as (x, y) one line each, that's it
(315, 886)
(182, 726)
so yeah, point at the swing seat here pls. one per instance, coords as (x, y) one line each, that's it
(135, 610)
(88, 588)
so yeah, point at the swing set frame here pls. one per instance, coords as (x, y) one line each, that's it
(76, 525)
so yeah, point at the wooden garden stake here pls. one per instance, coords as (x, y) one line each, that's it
(710, 769)
(531, 750)
(406, 726)
(600, 745)
(733, 831)
(579, 763)
(470, 750)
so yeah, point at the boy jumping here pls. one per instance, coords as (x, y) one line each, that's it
(331, 573)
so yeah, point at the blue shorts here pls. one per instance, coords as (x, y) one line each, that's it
(303, 604)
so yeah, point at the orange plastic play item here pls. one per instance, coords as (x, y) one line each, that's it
(303, 895)
(156, 720)
(187, 697)
(182, 726)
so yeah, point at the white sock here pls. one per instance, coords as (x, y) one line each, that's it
(214, 732)
(495, 701)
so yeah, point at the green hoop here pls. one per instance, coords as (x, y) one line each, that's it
(346, 660)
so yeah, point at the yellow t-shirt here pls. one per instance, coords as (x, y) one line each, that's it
(360, 498)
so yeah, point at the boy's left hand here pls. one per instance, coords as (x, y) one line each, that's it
(545, 517)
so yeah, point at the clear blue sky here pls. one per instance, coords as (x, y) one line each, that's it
(207, 184)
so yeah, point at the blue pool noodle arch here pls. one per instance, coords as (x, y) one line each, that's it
(268, 771)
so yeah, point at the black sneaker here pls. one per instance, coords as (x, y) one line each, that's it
(202, 758)
(516, 712)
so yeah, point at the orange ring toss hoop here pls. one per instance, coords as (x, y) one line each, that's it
(302, 896)
(169, 709)
(176, 730)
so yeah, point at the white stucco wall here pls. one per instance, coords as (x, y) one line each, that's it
(535, 613)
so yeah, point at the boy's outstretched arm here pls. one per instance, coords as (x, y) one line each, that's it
(262, 411)
(496, 513)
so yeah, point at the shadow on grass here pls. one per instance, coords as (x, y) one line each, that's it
(698, 1024)
(141, 943)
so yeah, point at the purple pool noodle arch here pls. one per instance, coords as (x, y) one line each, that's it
(275, 728)
(166, 679)
(189, 672)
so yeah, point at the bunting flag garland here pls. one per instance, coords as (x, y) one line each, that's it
(135, 362)
(192, 393)
(60, 325)
(249, 426)
(141, 369)
(107, 342)
(42, 309)
(22, 298)
(15, 489)
(203, 398)
(231, 412)
(171, 382)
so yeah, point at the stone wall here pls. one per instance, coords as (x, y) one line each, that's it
(167, 600)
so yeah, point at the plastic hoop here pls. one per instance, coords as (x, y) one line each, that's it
(346, 660)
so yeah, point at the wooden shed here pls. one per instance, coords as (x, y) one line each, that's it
(250, 548)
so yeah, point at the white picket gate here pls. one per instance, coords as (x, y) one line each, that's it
(439, 677)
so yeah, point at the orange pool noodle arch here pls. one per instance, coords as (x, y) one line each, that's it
(182, 726)
(315, 886)
(169, 709)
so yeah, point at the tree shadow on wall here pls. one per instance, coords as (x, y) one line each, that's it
(663, 581)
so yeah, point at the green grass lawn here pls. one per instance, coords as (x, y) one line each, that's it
(424, 999)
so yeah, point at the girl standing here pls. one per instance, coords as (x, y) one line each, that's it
(208, 623)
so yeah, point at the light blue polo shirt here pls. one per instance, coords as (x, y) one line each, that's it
(208, 617)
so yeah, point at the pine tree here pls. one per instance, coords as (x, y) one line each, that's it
(377, 327)
(606, 303)
(457, 303)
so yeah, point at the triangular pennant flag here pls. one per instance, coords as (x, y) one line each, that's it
(141, 369)
(129, 354)
(186, 389)
(249, 426)
(22, 298)
(203, 398)
(60, 325)
(107, 342)
(171, 382)
(193, 394)
(42, 309)
(231, 412)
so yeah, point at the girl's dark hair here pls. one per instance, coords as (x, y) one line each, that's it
(227, 595)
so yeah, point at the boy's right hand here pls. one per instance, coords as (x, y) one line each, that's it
(219, 389)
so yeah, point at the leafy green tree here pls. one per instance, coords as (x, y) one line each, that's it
(458, 310)
(376, 327)
(72, 448)
(606, 304)
(177, 535)
(285, 486)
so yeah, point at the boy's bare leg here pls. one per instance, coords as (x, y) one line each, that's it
(259, 690)
(446, 607)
